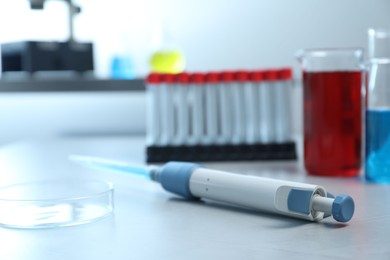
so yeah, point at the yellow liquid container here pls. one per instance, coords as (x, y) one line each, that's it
(167, 61)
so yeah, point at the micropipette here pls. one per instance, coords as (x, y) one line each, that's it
(192, 181)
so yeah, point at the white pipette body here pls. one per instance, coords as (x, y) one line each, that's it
(192, 181)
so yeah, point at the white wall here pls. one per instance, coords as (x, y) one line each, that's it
(214, 34)
(222, 34)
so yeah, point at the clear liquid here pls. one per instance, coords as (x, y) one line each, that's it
(378, 145)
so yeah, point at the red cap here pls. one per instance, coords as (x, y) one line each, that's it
(257, 75)
(241, 75)
(183, 78)
(227, 76)
(271, 75)
(198, 78)
(153, 78)
(168, 78)
(285, 74)
(213, 77)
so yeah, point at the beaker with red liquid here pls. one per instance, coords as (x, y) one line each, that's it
(333, 111)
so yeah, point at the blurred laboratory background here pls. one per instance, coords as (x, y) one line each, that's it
(107, 97)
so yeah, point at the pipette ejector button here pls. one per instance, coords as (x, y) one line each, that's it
(302, 201)
(299, 201)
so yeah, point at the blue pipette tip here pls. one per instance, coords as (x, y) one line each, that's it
(110, 165)
(343, 208)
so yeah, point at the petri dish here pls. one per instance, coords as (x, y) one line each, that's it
(51, 204)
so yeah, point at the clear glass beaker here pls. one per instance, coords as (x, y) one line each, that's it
(377, 166)
(332, 89)
(378, 43)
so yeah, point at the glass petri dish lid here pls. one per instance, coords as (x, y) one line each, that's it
(51, 204)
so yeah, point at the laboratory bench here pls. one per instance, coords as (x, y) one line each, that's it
(150, 223)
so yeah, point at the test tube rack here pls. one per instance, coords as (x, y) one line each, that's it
(220, 116)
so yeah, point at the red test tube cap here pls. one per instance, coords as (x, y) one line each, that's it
(285, 74)
(183, 78)
(198, 78)
(271, 75)
(168, 78)
(241, 75)
(257, 75)
(227, 76)
(213, 77)
(153, 78)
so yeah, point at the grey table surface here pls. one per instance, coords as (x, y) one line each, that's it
(149, 223)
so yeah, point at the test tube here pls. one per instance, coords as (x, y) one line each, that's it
(197, 108)
(182, 122)
(153, 109)
(282, 106)
(266, 99)
(253, 106)
(224, 109)
(167, 109)
(212, 101)
(258, 77)
(238, 105)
